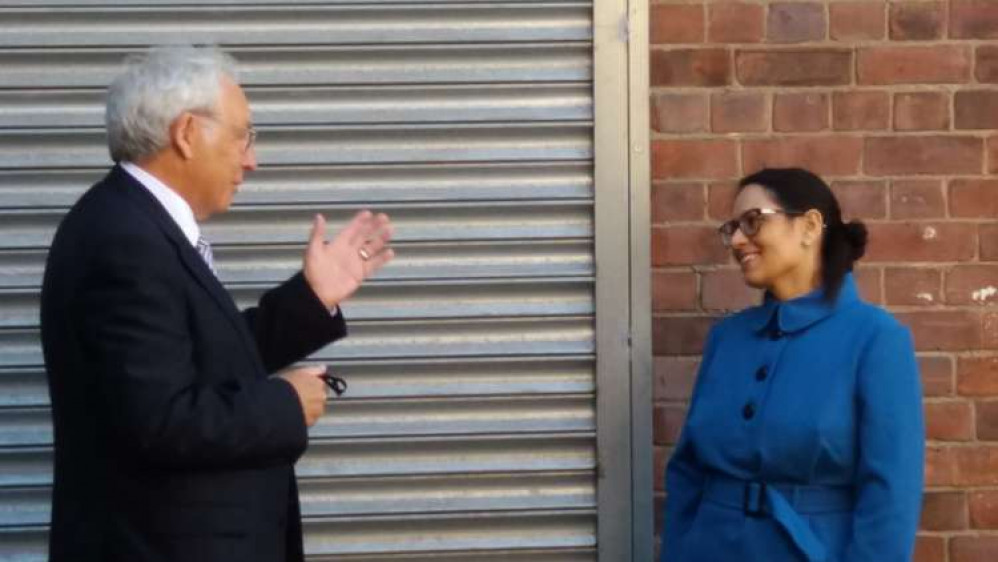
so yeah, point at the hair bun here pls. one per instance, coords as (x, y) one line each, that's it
(856, 235)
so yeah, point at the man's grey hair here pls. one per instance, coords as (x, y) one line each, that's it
(157, 87)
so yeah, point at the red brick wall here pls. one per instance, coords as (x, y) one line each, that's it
(896, 105)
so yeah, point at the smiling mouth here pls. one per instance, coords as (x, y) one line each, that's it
(745, 259)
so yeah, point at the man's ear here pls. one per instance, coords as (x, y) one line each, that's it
(814, 223)
(183, 135)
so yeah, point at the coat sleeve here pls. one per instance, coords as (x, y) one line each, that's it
(891, 450)
(291, 322)
(683, 477)
(159, 408)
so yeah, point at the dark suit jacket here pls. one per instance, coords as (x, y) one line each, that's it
(171, 442)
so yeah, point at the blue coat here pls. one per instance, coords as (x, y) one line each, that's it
(804, 440)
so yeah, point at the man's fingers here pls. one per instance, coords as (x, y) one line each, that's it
(378, 260)
(356, 231)
(318, 233)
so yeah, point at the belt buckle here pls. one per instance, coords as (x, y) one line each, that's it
(754, 499)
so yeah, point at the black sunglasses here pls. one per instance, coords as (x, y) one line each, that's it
(750, 222)
(338, 385)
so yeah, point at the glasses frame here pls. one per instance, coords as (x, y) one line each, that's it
(250, 132)
(728, 229)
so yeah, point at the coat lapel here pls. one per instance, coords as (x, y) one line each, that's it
(189, 256)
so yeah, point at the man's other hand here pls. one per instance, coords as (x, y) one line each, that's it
(311, 390)
(336, 269)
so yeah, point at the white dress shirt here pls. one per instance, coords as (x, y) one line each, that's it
(175, 206)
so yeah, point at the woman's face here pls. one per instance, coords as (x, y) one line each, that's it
(779, 247)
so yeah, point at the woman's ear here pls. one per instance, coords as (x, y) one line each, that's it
(814, 223)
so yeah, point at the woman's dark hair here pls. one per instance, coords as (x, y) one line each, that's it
(799, 190)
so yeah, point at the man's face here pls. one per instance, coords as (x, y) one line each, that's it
(223, 152)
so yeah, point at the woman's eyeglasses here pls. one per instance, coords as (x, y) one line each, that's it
(749, 223)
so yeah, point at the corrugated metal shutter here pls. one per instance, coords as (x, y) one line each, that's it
(469, 432)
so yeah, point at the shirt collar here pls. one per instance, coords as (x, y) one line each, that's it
(797, 314)
(175, 205)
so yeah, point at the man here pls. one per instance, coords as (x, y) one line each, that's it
(172, 442)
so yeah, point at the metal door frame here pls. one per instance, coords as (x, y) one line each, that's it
(623, 293)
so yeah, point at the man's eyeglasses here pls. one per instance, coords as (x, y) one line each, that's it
(249, 133)
(750, 222)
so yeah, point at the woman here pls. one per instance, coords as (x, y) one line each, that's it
(804, 439)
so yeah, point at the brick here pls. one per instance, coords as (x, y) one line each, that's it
(973, 19)
(684, 159)
(984, 509)
(943, 64)
(917, 21)
(987, 421)
(676, 23)
(674, 290)
(823, 155)
(944, 330)
(920, 286)
(860, 111)
(868, 283)
(856, 21)
(721, 198)
(944, 511)
(668, 423)
(725, 290)
(861, 199)
(677, 202)
(989, 325)
(796, 67)
(690, 67)
(974, 198)
(917, 199)
(675, 377)
(927, 154)
(687, 245)
(926, 242)
(679, 113)
(949, 421)
(989, 242)
(937, 375)
(976, 466)
(680, 335)
(661, 460)
(977, 109)
(738, 112)
(986, 67)
(973, 549)
(972, 284)
(992, 150)
(794, 22)
(977, 376)
(735, 22)
(940, 466)
(921, 111)
(800, 112)
(930, 549)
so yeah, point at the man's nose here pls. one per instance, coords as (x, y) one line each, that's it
(249, 159)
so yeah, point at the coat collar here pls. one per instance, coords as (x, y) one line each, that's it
(798, 314)
(189, 257)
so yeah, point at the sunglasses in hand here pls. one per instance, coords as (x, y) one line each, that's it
(338, 385)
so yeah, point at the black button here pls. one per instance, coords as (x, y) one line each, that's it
(761, 374)
(748, 412)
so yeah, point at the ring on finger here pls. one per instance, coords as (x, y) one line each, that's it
(364, 254)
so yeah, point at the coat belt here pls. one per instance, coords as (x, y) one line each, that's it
(784, 503)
